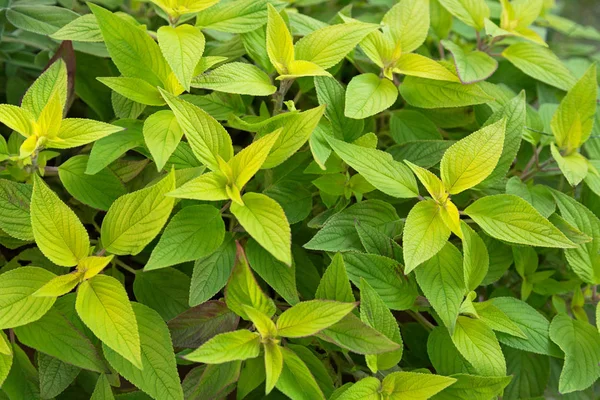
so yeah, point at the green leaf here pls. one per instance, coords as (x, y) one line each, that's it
(280, 45)
(40, 19)
(22, 383)
(264, 219)
(157, 375)
(211, 273)
(374, 312)
(441, 280)
(476, 259)
(444, 356)
(236, 77)
(378, 168)
(573, 121)
(165, 291)
(296, 131)
(162, 134)
(334, 284)
(81, 29)
(533, 324)
(430, 93)
(103, 305)
(474, 387)
(530, 374)
(109, 149)
(135, 89)
(512, 219)
(479, 346)
(273, 364)
(310, 317)
(74, 132)
(263, 323)
(472, 159)
(515, 112)
(275, 273)
(414, 385)
(230, 346)
(17, 305)
(574, 166)
(329, 45)
(585, 259)
(537, 195)
(182, 47)
(367, 95)
(55, 375)
(242, 289)
(57, 231)
(423, 67)
(365, 389)
(471, 12)
(97, 191)
(425, 233)
(193, 233)
(471, 66)
(581, 343)
(132, 50)
(14, 209)
(385, 276)
(54, 79)
(357, 336)
(332, 94)
(17, 118)
(408, 23)
(136, 218)
(58, 336)
(245, 164)
(539, 63)
(206, 136)
(239, 17)
(102, 390)
(296, 380)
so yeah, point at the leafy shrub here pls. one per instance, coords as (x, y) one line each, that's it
(252, 199)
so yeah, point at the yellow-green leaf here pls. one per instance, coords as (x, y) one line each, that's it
(472, 159)
(248, 161)
(309, 317)
(136, 218)
(182, 47)
(408, 22)
(421, 66)
(59, 285)
(103, 305)
(280, 46)
(425, 233)
(368, 94)
(264, 219)
(57, 231)
(230, 346)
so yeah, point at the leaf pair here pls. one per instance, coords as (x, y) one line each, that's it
(145, 65)
(515, 19)
(464, 165)
(40, 117)
(313, 54)
(245, 297)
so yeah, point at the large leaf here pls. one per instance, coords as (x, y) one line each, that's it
(17, 305)
(264, 219)
(103, 305)
(512, 219)
(136, 218)
(310, 317)
(236, 77)
(57, 231)
(14, 209)
(425, 233)
(367, 95)
(157, 374)
(193, 233)
(182, 47)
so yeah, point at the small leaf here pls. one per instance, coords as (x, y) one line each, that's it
(309, 317)
(236, 77)
(414, 385)
(479, 346)
(367, 95)
(162, 134)
(182, 47)
(280, 45)
(230, 346)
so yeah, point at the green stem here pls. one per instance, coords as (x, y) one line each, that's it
(125, 266)
(421, 320)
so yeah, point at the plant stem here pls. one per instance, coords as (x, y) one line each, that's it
(125, 266)
(279, 96)
(421, 320)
